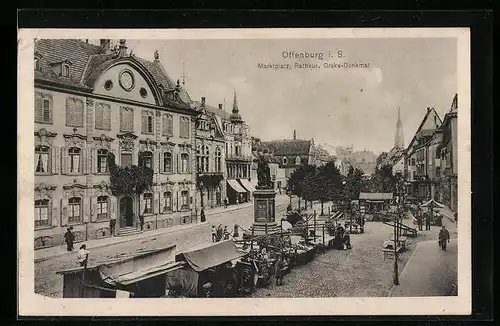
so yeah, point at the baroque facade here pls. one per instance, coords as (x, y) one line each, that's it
(91, 100)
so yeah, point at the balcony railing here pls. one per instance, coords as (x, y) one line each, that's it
(238, 157)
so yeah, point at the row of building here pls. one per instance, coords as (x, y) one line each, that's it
(94, 99)
(429, 164)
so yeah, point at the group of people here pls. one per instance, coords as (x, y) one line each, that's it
(421, 218)
(219, 233)
(83, 253)
(342, 239)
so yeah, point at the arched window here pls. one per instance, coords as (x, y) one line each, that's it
(218, 165)
(206, 156)
(199, 159)
(102, 207)
(168, 201)
(75, 210)
(167, 162)
(102, 160)
(42, 159)
(148, 203)
(297, 160)
(147, 159)
(74, 159)
(285, 160)
(65, 70)
(184, 163)
(42, 214)
(184, 199)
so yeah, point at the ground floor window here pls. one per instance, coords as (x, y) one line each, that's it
(185, 199)
(42, 213)
(75, 208)
(102, 207)
(168, 201)
(148, 203)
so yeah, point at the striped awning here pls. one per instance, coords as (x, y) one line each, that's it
(233, 183)
(247, 185)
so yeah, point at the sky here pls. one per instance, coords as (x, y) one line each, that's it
(341, 107)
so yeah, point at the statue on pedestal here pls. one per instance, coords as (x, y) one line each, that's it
(263, 174)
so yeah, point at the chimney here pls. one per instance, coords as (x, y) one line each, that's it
(105, 45)
(203, 100)
(428, 109)
(220, 106)
(294, 134)
(123, 48)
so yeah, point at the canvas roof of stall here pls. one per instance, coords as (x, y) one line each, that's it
(375, 195)
(133, 267)
(428, 203)
(214, 254)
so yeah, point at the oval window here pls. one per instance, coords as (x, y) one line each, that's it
(108, 85)
(143, 92)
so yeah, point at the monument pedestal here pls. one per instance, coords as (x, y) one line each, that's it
(264, 213)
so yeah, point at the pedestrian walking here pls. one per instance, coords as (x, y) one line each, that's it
(83, 255)
(214, 235)
(278, 271)
(112, 226)
(226, 233)
(219, 233)
(444, 237)
(141, 222)
(427, 222)
(225, 202)
(69, 238)
(419, 222)
(202, 215)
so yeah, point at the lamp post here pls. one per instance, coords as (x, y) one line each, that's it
(346, 199)
(396, 231)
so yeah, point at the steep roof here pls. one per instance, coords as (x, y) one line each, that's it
(86, 58)
(288, 147)
(422, 123)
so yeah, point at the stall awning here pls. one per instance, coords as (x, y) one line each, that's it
(140, 274)
(375, 201)
(247, 185)
(233, 183)
(208, 256)
(435, 203)
(375, 196)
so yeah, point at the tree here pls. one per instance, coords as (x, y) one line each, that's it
(354, 183)
(329, 183)
(381, 181)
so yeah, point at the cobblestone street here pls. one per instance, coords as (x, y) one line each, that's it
(360, 272)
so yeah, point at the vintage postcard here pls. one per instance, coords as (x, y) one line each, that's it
(244, 172)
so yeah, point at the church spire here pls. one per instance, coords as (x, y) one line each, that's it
(399, 138)
(235, 104)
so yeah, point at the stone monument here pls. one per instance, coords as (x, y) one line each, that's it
(264, 202)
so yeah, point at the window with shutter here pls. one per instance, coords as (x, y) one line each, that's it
(43, 108)
(42, 213)
(184, 127)
(147, 125)
(74, 112)
(168, 125)
(103, 116)
(126, 119)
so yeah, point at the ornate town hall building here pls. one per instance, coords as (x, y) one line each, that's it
(91, 100)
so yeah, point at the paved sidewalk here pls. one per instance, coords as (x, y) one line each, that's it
(56, 251)
(429, 272)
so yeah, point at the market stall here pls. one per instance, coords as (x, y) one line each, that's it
(209, 271)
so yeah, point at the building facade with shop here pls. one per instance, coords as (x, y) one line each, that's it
(91, 100)
(419, 184)
(210, 157)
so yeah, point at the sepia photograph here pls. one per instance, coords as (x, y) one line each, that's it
(194, 166)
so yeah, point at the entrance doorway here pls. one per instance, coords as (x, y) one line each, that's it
(126, 211)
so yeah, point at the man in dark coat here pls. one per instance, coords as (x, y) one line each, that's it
(278, 271)
(444, 237)
(69, 237)
(427, 221)
(202, 215)
(419, 221)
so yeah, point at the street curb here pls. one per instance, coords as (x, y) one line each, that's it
(125, 239)
(393, 287)
(146, 235)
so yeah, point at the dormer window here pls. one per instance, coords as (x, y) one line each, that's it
(37, 64)
(297, 160)
(285, 161)
(65, 70)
